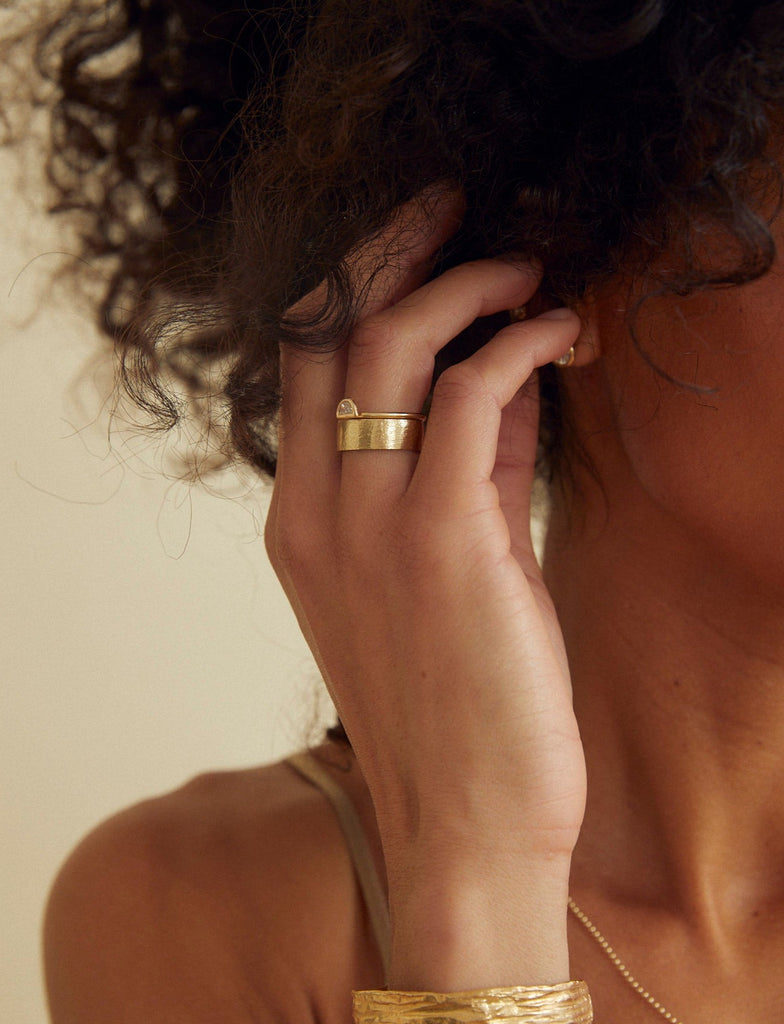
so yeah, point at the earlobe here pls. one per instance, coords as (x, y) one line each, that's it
(587, 348)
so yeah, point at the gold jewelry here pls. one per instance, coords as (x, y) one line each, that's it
(567, 1003)
(583, 918)
(378, 431)
(566, 360)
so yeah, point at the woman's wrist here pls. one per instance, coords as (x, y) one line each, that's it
(485, 925)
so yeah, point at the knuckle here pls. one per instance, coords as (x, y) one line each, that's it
(469, 269)
(292, 545)
(461, 383)
(374, 338)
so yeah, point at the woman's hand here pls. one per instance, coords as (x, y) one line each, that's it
(414, 580)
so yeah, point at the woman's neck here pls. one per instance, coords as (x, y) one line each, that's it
(678, 673)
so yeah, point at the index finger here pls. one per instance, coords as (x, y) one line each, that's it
(397, 259)
(400, 257)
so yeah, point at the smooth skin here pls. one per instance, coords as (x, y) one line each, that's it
(415, 583)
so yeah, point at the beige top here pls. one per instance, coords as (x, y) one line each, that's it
(358, 848)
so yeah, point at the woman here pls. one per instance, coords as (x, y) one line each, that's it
(424, 168)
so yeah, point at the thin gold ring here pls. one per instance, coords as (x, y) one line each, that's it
(378, 431)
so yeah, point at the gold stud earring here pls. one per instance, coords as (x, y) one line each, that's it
(566, 360)
(519, 313)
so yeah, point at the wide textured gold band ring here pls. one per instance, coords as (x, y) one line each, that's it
(378, 431)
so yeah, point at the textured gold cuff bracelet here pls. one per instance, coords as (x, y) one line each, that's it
(567, 1003)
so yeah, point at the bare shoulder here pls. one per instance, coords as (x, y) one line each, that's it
(232, 898)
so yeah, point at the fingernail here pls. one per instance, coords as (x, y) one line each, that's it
(562, 313)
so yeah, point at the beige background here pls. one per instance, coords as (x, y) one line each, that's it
(144, 637)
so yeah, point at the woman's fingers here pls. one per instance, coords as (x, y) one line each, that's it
(392, 355)
(400, 258)
(382, 271)
(387, 366)
(461, 443)
(301, 521)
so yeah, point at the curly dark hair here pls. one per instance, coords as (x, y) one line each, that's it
(227, 160)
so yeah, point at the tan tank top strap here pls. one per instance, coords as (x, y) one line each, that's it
(356, 841)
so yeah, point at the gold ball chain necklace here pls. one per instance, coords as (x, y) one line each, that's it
(641, 991)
